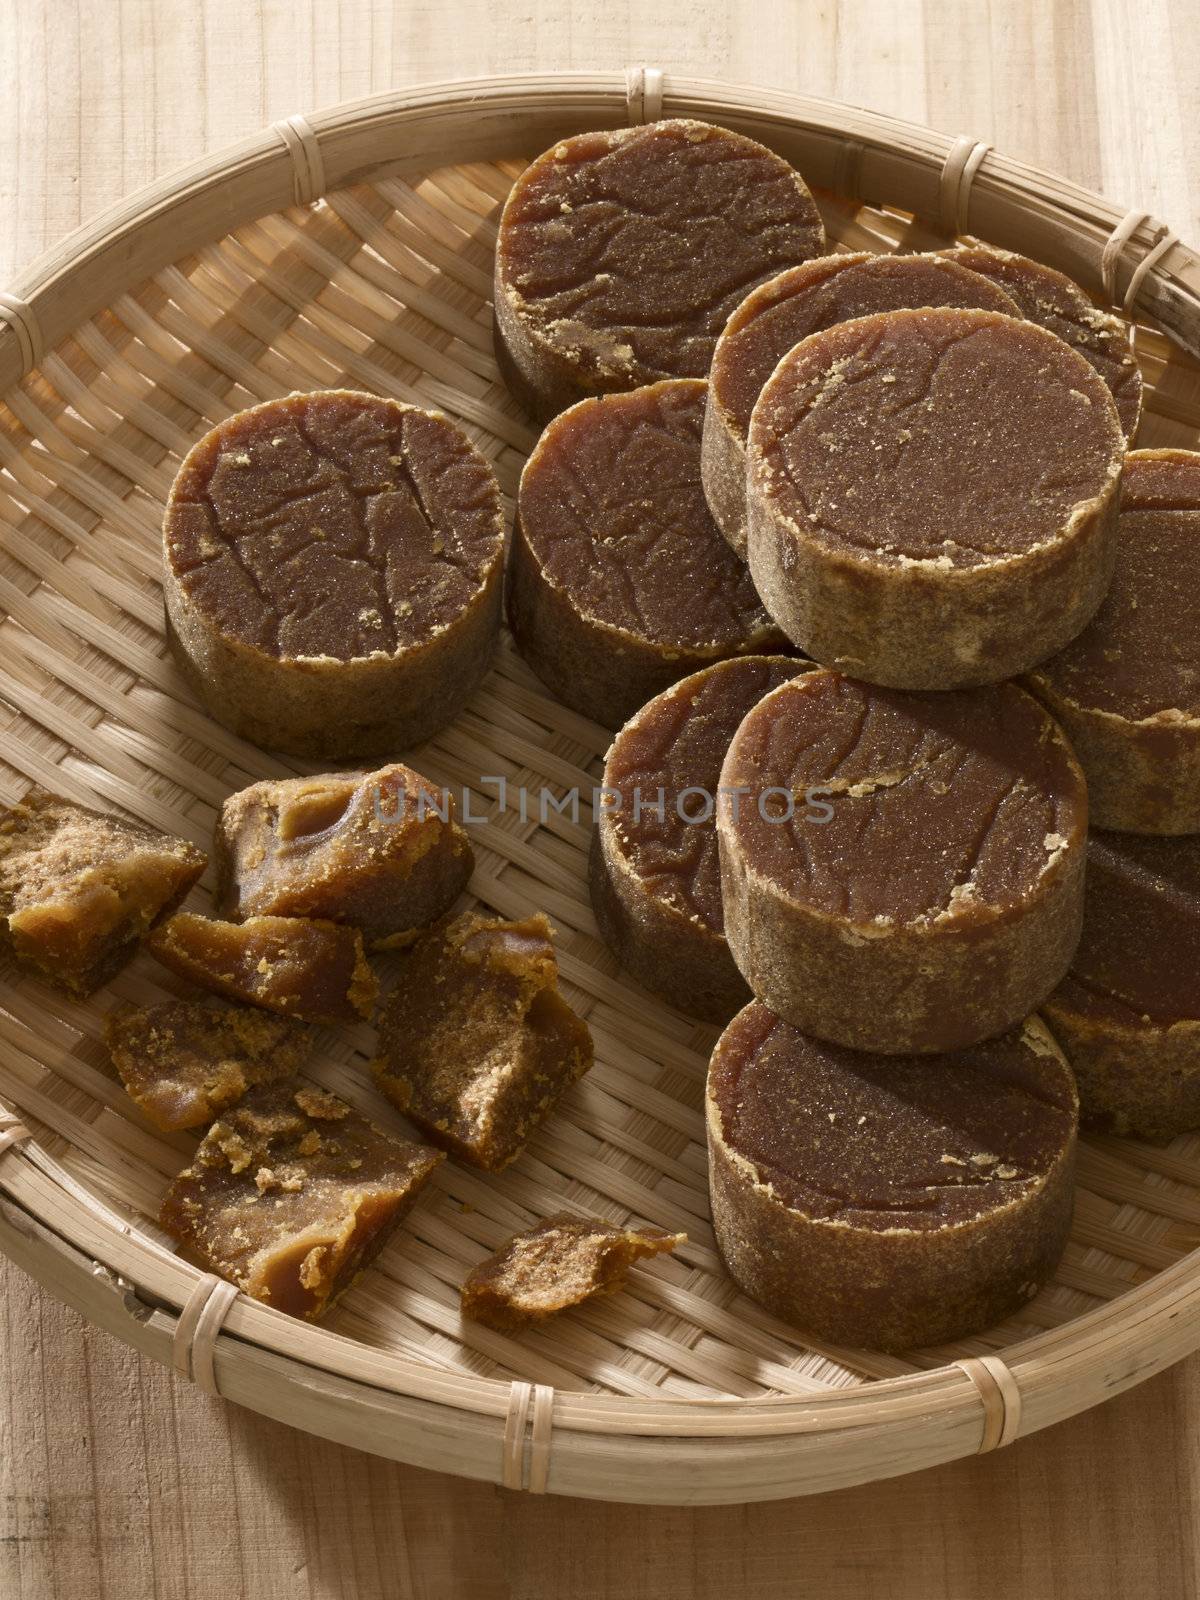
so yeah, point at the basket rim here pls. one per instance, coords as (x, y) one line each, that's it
(42, 1189)
(1119, 1342)
(260, 170)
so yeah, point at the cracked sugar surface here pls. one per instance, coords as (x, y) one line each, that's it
(892, 1141)
(333, 525)
(630, 249)
(677, 743)
(949, 436)
(612, 507)
(929, 793)
(819, 294)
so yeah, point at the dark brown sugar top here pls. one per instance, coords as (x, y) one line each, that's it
(1058, 303)
(1140, 654)
(333, 524)
(948, 805)
(632, 247)
(677, 744)
(940, 435)
(818, 294)
(1140, 949)
(885, 1142)
(612, 506)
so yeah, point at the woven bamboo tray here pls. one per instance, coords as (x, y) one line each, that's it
(353, 249)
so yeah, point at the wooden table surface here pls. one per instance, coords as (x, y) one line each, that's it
(118, 1480)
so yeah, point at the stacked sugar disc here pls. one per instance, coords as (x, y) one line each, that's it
(856, 554)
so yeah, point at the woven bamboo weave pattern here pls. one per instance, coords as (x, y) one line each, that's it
(386, 287)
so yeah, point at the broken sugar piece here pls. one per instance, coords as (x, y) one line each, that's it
(901, 872)
(889, 1201)
(560, 1263)
(932, 496)
(476, 1043)
(619, 581)
(381, 851)
(621, 253)
(291, 1194)
(299, 966)
(332, 567)
(80, 889)
(184, 1061)
(787, 308)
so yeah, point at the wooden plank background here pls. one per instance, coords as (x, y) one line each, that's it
(118, 1481)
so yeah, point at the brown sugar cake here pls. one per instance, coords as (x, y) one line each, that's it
(622, 253)
(894, 1201)
(901, 872)
(932, 496)
(619, 580)
(1127, 689)
(1128, 1013)
(298, 966)
(787, 308)
(183, 1062)
(332, 571)
(381, 851)
(291, 1194)
(80, 889)
(475, 1042)
(558, 1264)
(1056, 302)
(654, 869)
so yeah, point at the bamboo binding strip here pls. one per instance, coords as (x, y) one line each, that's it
(12, 1130)
(958, 174)
(22, 319)
(353, 247)
(1001, 1397)
(1112, 252)
(200, 1321)
(526, 1461)
(643, 94)
(305, 150)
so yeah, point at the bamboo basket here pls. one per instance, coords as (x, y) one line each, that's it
(353, 249)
